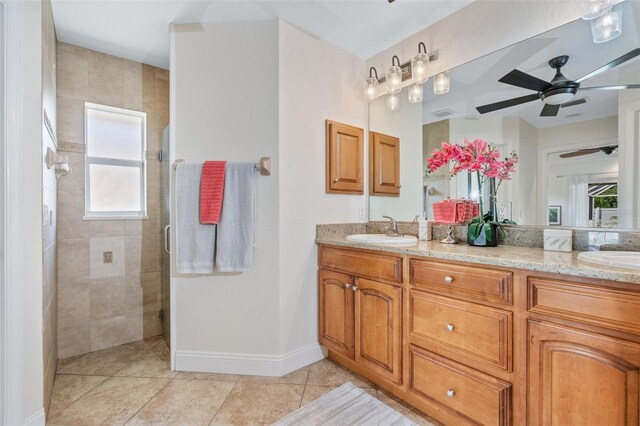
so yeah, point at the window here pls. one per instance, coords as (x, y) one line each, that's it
(115, 163)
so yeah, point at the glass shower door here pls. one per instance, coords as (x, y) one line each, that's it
(165, 215)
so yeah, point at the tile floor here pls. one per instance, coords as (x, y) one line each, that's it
(132, 384)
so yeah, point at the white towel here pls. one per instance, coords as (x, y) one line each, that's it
(195, 242)
(236, 228)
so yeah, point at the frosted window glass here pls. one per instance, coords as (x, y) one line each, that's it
(115, 188)
(113, 135)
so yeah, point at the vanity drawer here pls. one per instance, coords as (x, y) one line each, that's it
(614, 308)
(481, 398)
(469, 283)
(468, 329)
(361, 263)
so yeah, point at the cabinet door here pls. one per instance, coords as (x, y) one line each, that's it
(379, 328)
(336, 326)
(384, 164)
(581, 378)
(345, 158)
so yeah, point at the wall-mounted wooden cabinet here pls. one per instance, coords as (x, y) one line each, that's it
(384, 165)
(345, 159)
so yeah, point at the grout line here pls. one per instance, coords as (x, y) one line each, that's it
(78, 398)
(149, 400)
(304, 390)
(223, 401)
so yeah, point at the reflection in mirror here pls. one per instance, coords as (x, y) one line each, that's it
(578, 161)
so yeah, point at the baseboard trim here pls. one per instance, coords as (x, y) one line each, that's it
(248, 364)
(36, 419)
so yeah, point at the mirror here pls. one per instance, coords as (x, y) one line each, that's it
(579, 168)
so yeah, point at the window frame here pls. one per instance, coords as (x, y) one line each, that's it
(88, 161)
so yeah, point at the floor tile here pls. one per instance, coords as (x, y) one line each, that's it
(192, 375)
(313, 392)
(405, 409)
(184, 402)
(67, 389)
(298, 377)
(327, 373)
(105, 362)
(252, 403)
(113, 402)
(154, 363)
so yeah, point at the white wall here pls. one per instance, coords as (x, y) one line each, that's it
(526, 210)
(224, 95)
(318, 81)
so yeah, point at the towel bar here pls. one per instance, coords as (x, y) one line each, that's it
(263, 166)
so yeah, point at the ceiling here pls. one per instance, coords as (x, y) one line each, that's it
(138, 29)
(476, 83)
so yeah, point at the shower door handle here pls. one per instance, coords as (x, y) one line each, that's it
(166, 239)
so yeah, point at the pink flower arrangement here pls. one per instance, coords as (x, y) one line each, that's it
(477, 156)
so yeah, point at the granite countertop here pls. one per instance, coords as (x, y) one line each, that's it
(533, 259)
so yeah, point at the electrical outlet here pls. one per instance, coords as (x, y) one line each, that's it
(107, 257)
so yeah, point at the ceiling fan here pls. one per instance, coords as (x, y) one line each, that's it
(606, 149)
(560, 90)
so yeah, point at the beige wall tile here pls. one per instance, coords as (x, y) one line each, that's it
(70, 212)
(108, 297)
(73, 184)
(70, 120)
(133, 85)
(73, 259)
(72, 71)
(162, 104)
(50, 262)
(141, 254)
(162, 74)
(107, 228)
(108, 332)
(106, 79)
(73, 303)
(74, 340)
(49, 215)
(99, 245)
(135, 327)
(150, 324)
(153, 137)
(142, 292)
(149, 89)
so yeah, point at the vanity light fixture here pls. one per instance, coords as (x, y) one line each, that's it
(608, 26)
(592, 9)
(441, 83)
(393, 102)
(420, 65)
(371, 85)
(394, 76)
(415, 93)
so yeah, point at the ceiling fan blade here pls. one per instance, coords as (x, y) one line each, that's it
(621, 60)
(506, 104)
(574, 103)
(616, 87)
(550, 110)
(580, 153)
(524, 80)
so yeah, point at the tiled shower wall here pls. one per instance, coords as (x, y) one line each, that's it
(102, 305)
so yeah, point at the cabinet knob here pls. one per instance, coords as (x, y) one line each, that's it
(448, 279)
(354, 288)
(451, 393)
(450, 327)
(336, 180)
(347, 285)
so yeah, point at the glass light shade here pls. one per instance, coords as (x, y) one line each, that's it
(420, 68)
(558, 99)
(415, 93)
(592, 9)
(371, 88)
(608, 26)
(441, 83)
(394, 79)
(393, 102)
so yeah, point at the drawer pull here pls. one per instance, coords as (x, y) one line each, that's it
(451, 393)
(448, 279)
(450, 327)
(354, 288)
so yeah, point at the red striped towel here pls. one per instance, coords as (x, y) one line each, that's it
(211, 191)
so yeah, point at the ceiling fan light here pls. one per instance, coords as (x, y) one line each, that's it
(592, 9)
(441, 83)
(608, 26)
(393, 102)
(415, 93)
(558, 98)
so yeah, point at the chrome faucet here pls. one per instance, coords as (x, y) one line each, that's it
(392, 230)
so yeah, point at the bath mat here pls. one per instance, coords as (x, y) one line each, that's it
(345, 406)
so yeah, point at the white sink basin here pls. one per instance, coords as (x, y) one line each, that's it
(405, 240)
(614, 259)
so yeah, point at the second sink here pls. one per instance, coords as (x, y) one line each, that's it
(382, 239)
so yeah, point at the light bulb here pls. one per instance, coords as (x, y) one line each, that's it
(608, 26)
(441, 83)
(420, 68)
(592, 9)
(393, 102)
(394, 79)
(415, 93)
(371, 88)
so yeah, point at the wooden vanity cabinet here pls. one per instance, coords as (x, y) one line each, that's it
(384, 165)
(336, 312)
(344, 158)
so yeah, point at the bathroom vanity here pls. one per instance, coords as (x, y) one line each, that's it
(499, 336)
